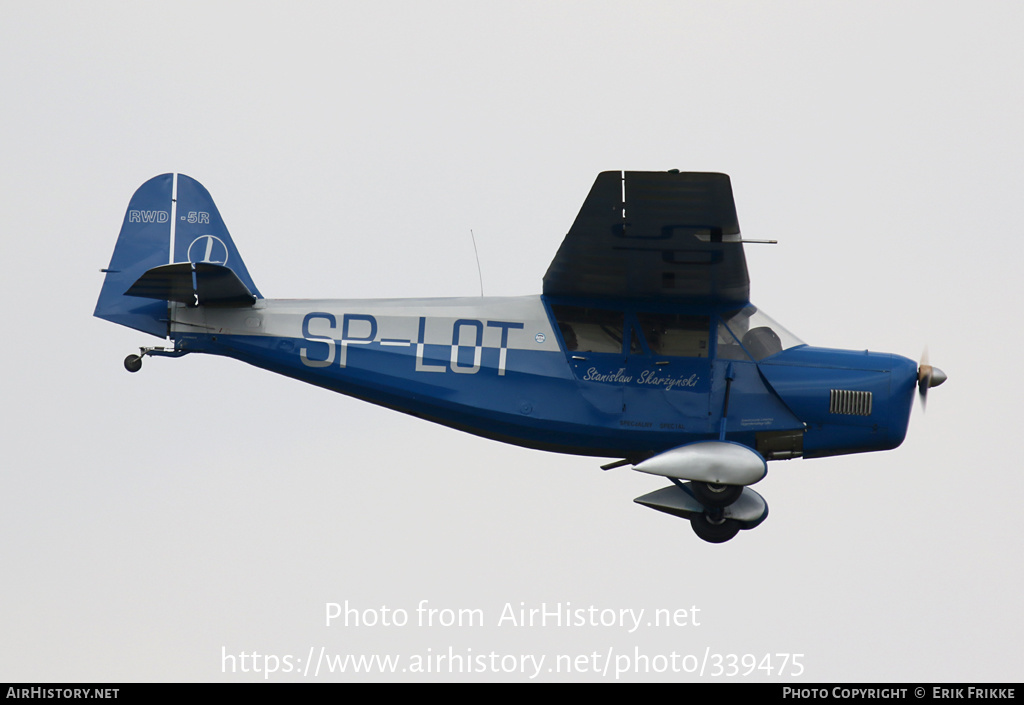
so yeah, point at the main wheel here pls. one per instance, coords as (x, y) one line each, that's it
(714, 530)
(715, 495)
(133, 363)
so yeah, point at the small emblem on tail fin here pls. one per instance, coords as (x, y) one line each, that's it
(208, 248)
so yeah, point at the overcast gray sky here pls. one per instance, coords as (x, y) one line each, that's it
(153, 523)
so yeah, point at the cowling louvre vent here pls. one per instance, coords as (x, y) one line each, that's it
(850, 403)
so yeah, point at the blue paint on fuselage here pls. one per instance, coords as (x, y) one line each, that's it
(539, 402)
(534, 404)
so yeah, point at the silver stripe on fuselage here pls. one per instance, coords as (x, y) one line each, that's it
(516, 323)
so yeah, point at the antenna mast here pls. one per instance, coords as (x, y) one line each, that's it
(479, 273)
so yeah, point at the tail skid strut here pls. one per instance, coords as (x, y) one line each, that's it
(133, 363)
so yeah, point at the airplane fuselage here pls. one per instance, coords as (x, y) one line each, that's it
(512, 369)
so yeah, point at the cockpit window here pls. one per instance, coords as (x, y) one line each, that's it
(758, 334)
(676, 334)
(590, 329)
(729, 347)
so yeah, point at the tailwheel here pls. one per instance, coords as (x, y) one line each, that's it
(714, 529)
(133, 363)
(715, 495)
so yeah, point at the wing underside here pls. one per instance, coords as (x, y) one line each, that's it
(654, 235)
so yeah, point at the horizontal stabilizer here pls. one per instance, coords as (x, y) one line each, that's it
(194, 284)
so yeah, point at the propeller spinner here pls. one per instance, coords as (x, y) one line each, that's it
(927, 377)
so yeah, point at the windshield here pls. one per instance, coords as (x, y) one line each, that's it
(756, 332)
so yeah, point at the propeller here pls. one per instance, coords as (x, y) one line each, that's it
(927, 377)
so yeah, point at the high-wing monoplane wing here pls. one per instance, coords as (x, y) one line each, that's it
(654, 235)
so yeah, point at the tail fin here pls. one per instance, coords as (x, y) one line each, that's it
(171, 226)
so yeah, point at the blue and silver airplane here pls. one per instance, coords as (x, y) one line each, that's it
(644, 347)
